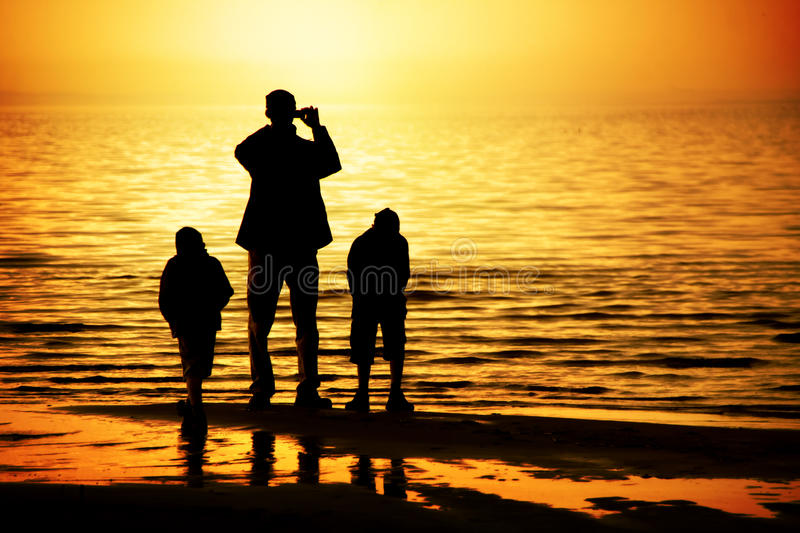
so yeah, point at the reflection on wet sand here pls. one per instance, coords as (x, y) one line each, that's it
(262, 458)
(92, 450)
(362, 473)
(394, 480)
(192, 447)
(308, 460)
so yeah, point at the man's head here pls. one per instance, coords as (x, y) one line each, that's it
(189, 241)
(387, 221)
(281, 107)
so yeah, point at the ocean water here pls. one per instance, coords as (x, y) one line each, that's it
(616, 262)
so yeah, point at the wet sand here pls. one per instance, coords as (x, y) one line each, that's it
(580, 450)
(577, 448)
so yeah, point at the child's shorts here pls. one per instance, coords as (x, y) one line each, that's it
(364, 332)
(197, 353)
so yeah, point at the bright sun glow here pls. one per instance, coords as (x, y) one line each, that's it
(361, 51)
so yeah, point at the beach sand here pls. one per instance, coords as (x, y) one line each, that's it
(572, 449)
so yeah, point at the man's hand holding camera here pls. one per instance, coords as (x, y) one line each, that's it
(309, 116)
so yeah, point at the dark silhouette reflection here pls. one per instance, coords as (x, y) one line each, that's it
(362, 473)
(283, 226)
(192, 446)
(308, 460)
(394, 480)
(262, 458)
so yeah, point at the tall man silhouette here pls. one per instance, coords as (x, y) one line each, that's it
(284, 225)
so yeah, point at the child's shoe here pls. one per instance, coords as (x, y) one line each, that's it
(398, 404)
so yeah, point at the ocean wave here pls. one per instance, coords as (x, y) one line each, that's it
(26, 260)
(789, 388)
(593, 315)
(673, 339)
(468, 360)
(746, 318)
(791, 338)
(55, 354)
(601, 293)
(631, 374)
(521, 341)
(684, 398)
(711, 362)
(708, 362)
(693, 316)
(574, 390)
(444, 384)
(669, 362)
(774, 324)
(47, 391)
(54, 327)
(27, 369)
(14, 437)
(515, 354)
(114, 379)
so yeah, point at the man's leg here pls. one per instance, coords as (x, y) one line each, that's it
(303, 282)
(263, 289)
(194, 386)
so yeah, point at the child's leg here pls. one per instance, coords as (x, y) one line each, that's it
(394, 345)
(194, 420)
(394, 350)
(197, 357)
(363, 331)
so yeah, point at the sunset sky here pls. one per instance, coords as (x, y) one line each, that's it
(351, 51)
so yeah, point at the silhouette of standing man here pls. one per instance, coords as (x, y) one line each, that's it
(284, 225)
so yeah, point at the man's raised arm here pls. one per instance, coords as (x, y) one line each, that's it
(326, 160)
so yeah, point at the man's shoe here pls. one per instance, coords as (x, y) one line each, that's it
(184, 408)
(398, 404)
(258, 402)
(360, 403)
(312, 400)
